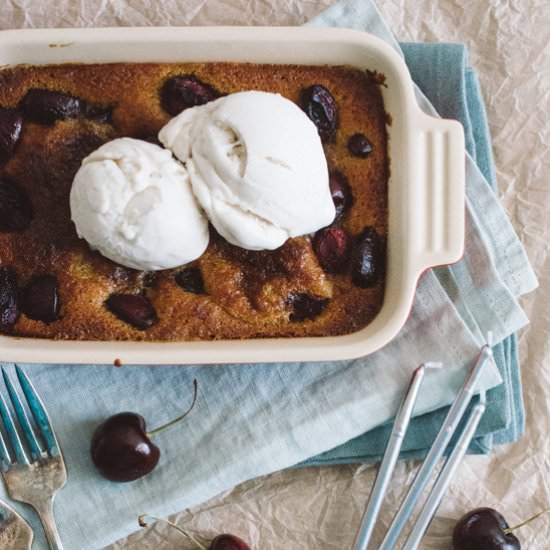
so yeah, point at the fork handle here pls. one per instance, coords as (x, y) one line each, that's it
(44, 510)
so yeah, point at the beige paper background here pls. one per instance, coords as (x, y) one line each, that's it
(321, 508)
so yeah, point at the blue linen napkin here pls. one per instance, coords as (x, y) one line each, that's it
(442, 73)
(254, 419)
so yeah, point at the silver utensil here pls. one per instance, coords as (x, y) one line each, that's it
(391, 454)
(37, 479)
(15, 532)
(450, 424)
(445, 476)
(436, 451)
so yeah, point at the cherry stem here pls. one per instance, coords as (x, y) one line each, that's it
(179, 418)
(511, 529)
(142, 523)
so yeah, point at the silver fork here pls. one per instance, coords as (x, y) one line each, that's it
(34, 481)
(15, 532)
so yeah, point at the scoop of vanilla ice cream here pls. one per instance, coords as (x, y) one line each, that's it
(132, 201)
(256, 165)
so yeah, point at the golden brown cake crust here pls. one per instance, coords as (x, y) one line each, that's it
(246, 292)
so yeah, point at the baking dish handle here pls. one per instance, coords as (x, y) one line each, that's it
(440, 195)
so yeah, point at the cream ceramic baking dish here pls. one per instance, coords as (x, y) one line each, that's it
(426, 188)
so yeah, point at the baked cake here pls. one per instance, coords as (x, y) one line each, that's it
(53, 285)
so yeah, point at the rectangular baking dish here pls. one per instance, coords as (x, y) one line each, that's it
(426, 187)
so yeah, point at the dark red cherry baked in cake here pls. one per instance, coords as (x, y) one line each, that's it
(53, 285)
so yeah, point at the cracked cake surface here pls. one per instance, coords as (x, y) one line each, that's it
(227, 293)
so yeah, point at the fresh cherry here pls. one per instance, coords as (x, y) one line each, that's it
(121, 446)
(221, 542)
(40, 298)
(359, 145)
(228, 542)
(181, 92)
(484, 529)
(11, 123)
(340, 192)
(9, 307)
(121, 449)
(320, 106)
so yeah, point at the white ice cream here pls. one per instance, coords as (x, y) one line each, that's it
(132, 201)
(256, 165)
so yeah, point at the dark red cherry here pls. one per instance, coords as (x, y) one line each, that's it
(228, 542)
(367, 258)
(483, 529)
(190, 279)
(321, 108)
(121, 449)
(134, 309)
(40, 298)
(359, 145)
(331, 246)
(221, 542)
(9, 308)
(47, 106)
(305, 306)
(121, 446)
(181, 92)
(15, 207)
(11, 123)
(341, 193)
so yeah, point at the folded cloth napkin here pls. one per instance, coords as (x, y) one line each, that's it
(251, 420)
(442, 73)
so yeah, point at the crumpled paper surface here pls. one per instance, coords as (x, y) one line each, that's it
(321, 508)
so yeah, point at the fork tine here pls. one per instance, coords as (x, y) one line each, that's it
(13, 436)
(5, 458)
(38, 411)
(21, 415)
